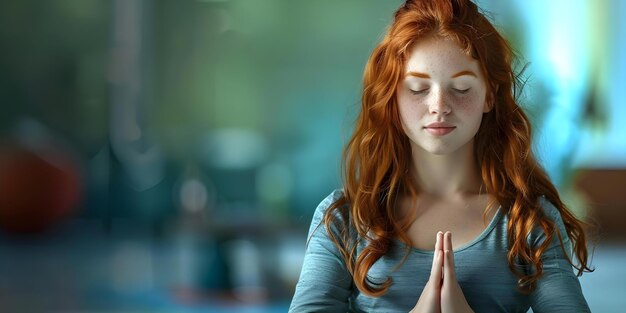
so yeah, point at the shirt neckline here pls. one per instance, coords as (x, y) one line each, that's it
(481, 236)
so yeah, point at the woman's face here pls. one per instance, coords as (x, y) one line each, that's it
(442, 97)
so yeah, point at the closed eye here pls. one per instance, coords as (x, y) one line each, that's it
(461, 91)
(419, 92)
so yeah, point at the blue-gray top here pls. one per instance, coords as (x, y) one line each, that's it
(325, 285)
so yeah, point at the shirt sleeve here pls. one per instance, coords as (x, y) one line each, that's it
(325, 284)
(558, 290)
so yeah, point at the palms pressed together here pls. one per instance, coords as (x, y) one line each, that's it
(442, 293)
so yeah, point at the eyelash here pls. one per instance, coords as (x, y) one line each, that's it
(419, 92)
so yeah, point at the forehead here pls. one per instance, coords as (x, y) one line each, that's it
(435, 54)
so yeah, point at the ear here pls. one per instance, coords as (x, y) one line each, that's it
(488, 104)
(490, 100)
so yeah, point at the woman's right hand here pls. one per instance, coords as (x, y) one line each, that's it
(430, 299)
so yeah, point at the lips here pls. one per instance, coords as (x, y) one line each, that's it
(439, 128)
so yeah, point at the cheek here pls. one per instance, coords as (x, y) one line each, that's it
(410, 105)
(410, 110)
(404, 105)
(470, 104)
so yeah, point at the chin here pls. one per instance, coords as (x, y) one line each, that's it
(437, 149)
(440, 146)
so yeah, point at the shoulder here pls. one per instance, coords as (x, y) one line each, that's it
(329, 200)
(549, 209)
(327, 203)
(553, 214)
(339, 216)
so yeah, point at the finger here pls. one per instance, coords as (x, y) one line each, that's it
(447, 241)
(448, 262)
(436, 269)
(448, 266)
(439, 242)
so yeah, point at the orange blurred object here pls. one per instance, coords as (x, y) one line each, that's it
(35, 193)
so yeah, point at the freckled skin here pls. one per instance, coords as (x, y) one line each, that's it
(459, 101)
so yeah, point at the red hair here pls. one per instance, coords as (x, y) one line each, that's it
(377, 158)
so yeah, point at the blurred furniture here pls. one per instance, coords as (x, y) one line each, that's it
(605, 193)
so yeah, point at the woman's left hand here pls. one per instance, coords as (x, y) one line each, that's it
(452, 298)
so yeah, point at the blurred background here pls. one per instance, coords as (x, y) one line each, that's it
(167, 156)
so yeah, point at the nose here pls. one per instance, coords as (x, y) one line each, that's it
(438, 104)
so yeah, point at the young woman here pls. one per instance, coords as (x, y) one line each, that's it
(443, 208)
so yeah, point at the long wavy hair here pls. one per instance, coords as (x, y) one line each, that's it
(377, 158)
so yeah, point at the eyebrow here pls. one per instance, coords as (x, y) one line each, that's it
(418, 74)
(461, 73)
(424, 75)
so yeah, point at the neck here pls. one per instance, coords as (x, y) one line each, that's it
(451, 175)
